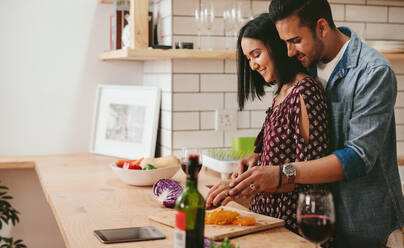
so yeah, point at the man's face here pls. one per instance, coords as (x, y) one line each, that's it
(300, 41)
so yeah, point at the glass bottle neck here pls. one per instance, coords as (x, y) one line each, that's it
(191, 183)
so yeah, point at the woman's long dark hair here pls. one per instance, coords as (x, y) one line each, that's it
(250, 83)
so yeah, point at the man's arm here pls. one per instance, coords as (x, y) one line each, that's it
(327, 169)
(372, 113)
(372, 110)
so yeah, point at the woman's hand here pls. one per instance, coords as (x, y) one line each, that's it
(255, 180)
(247, 162)
(218, 194)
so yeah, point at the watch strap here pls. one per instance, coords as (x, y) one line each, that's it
(280, 177)
(287, 179)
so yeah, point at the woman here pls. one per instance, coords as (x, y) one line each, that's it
(295, 127)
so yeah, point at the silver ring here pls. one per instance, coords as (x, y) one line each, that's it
(252, 187)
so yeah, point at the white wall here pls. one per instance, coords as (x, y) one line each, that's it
(49, 72)
(48, 76)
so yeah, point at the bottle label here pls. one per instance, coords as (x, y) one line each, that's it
(180, 227)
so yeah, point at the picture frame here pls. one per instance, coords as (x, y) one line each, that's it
(125, 121)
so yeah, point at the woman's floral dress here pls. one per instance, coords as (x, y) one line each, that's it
(280, 141)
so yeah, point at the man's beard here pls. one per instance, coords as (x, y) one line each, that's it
(317, 52)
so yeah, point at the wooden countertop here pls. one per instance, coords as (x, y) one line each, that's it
(400, 159)
(84, 194)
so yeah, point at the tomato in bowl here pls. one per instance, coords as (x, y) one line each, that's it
(130, 172)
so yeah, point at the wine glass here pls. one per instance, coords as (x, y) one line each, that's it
(239, 19)
(228, 25)
(316, 216)
(236, 19)
(228, 29)
(198, 23)
(208, 18)
(191, 153)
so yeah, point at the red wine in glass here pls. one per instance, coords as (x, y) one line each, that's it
(191, 156)
(317, 228)
(316, 216)
(191, 171)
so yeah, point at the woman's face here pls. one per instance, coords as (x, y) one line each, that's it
(258, 57)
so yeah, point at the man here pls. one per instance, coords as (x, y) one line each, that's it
(361, 89)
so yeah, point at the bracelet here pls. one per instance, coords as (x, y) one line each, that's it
(280, 177)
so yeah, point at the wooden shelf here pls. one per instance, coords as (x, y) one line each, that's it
(394, 57)
(155, 54)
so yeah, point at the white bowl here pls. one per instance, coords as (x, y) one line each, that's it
(144, 177)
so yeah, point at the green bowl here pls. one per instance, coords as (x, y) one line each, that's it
(243, 144)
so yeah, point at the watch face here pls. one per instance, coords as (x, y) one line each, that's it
(289, 170)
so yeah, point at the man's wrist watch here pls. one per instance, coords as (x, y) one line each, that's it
(289, 171)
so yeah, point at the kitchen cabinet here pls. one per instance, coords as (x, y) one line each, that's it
(139, 49)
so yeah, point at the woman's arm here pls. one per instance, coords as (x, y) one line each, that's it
(327, 169)
(304, 124)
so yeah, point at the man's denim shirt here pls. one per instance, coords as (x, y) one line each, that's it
(361, 94)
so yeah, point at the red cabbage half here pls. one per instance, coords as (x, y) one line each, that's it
(167, 191)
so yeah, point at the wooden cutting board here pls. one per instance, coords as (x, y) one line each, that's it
(219, 232)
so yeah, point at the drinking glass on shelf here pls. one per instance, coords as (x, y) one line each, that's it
(236, 18)
(250, 13)
(316, 216)
(208, 18)
(198, 23)
(228, 29)
(239, 19)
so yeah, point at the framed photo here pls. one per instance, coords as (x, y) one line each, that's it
(125, 122)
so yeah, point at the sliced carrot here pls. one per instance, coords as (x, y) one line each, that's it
(221, 217)
(120, 162)
(137, 163)
(244, 221)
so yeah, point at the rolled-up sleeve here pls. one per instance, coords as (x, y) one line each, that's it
(352, 164)
(371, 118)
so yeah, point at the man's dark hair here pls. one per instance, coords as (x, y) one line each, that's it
(251, 83)
(308, 11)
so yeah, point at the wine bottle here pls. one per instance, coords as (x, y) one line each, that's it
(190, 206)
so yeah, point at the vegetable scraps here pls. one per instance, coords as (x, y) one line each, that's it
(225, 244)
(167, 191)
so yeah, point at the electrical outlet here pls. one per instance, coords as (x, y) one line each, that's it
(226, 120)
